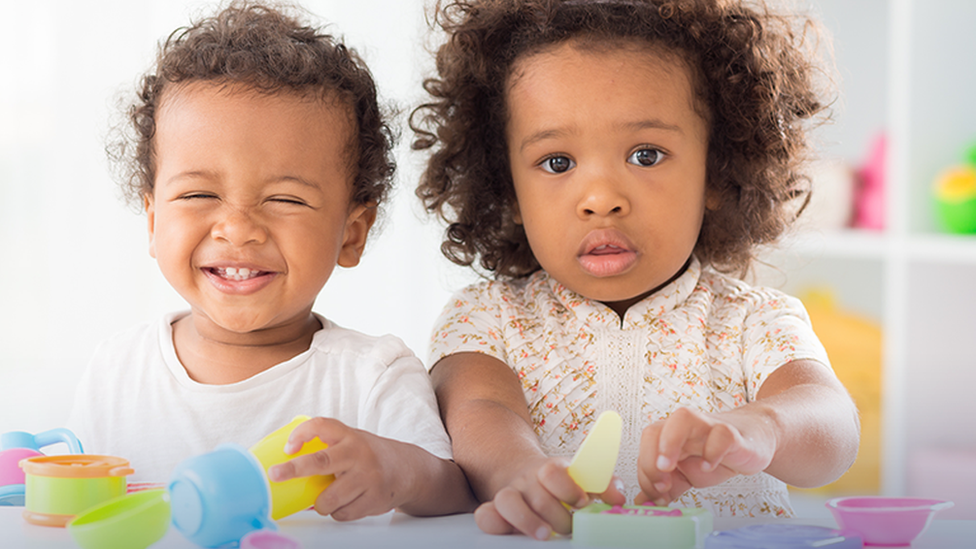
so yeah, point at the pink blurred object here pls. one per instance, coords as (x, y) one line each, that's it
(869, 198)
(881, 520)
(268, 539)
(945, 473)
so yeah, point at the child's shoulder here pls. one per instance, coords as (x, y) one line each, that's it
(506, 291)
(730, 293)
(382, 350)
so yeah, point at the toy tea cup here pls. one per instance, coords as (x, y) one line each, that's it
(290, 496)
(60, 487)
(16, 446)
(218, 497)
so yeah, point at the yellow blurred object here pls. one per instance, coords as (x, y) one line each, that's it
(853, 345)
(956, 183)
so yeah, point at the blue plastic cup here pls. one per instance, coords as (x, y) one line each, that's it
(219, 497)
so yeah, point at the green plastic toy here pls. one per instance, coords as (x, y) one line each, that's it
(646, 527)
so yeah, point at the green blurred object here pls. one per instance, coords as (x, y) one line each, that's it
(955, 198)
(970, 156)
(640, 526)
(132, 521)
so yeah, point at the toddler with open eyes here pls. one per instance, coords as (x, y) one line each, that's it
(612, 165)
(260, 155)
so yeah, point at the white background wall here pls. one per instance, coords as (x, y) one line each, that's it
(74, 266)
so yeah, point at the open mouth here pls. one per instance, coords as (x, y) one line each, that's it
(236, 274)
(606, 252)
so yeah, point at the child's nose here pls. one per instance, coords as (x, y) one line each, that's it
(603, 196)
(238, 226)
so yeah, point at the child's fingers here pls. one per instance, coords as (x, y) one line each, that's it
(514, 509)
(554, 477)
(490, 521)
(614, 494)
(721, 440)
(682, 434)
(337, 500)
(316, 463)
(327, 430)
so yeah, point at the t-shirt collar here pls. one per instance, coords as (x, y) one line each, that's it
(640, 314)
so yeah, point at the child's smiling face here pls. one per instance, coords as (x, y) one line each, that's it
(251, 208)
(608, 158)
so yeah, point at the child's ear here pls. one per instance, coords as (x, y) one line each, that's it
(516, 213)
(360, 220)
(147, 203)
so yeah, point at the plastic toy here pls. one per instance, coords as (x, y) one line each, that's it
(18, 445)
(592, 466)
(955, 199)
(269, 539)
(881, 520)
(869, 199)
(782, 536)
(298, 494)
(60, 487)
(218, 497)
(646, 527)
(132, 521)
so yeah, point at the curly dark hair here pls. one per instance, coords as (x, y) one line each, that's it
(270, 51)
(758, 82)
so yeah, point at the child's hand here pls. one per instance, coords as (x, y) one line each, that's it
(694, 449)
(533, 502)
(369, 477)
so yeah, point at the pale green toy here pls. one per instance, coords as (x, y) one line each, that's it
(603, 525)
(592, 466)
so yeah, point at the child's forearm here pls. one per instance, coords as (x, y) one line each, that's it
(812, 421)
(485, 413)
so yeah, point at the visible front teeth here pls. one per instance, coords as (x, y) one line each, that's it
(238, 274)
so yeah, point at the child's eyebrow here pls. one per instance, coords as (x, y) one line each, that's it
(651, 124)
(636, 125)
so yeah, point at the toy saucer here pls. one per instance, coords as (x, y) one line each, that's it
(12, 495)
(782, 536)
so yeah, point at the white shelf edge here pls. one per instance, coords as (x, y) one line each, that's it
(873, 245)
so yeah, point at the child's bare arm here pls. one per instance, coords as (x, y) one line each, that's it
(802, 428)
(374, 474)
(485, 413)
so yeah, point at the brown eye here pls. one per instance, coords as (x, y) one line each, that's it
(646, 157)
(557, 164)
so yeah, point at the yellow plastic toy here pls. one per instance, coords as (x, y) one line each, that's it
(592, 466)
(290, 496)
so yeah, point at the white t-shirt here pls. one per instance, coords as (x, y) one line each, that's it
(136, 401)
(706, 341)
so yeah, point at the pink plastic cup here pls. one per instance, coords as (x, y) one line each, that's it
(881, 520)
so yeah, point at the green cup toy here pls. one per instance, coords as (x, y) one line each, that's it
(60, 487)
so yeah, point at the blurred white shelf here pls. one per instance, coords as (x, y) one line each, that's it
(874, 245)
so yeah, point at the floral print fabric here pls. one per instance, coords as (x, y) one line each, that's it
(705, 341)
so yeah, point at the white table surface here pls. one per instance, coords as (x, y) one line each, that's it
(399, 531)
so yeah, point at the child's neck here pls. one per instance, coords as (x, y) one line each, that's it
(215, 356)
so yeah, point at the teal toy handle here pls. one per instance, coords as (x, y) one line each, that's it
(20, 439)
(60, 434)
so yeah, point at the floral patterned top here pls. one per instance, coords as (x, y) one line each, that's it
(705, 341)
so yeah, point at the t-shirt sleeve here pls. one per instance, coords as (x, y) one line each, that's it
(777, 332)
(470, 322)
(401, 405)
